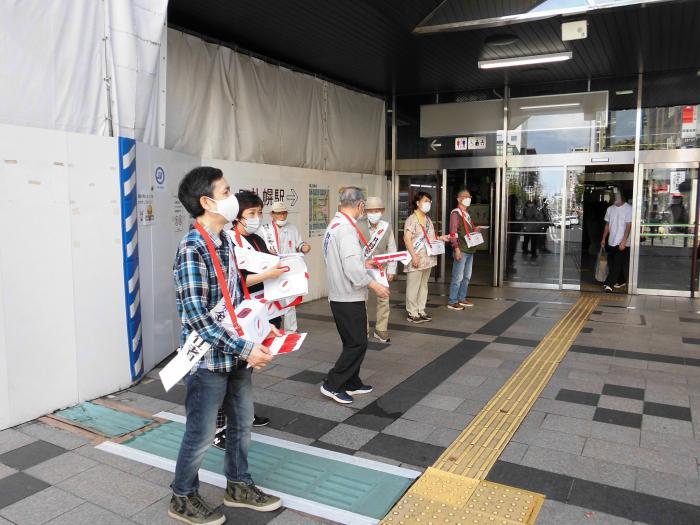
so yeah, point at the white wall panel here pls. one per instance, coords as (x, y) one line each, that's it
(36, 267)
(101, 341)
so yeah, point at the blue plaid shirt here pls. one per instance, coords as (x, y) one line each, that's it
(197, 291)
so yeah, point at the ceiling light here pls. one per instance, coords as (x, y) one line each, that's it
(551, 106)
(624, 92)
(524, 61)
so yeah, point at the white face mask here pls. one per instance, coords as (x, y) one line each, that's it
(281, 222)
(374, 218)
(228, 207)
(252, 224)
(466, 201)
(425, 207)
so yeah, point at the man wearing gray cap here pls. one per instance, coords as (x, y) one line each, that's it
(348, 282)
(380, 240)
(282, 237)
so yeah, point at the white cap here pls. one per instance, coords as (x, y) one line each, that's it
(279, 207)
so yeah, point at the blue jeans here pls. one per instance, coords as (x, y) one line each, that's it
(461, 273)
(206, 391)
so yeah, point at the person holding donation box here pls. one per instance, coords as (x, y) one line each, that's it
(243, 235)
(465, 236)
(281, 238)
(423, 244)
(380, 240)
(205, 275)
(348, 282)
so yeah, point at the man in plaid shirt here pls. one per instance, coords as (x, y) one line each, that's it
(223, 375)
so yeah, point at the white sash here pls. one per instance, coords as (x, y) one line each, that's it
(269, 237)
(244, 242)
(377, 236)
(418, 243)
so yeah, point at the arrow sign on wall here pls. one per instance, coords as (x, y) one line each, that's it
(434, 145)
(293, 197)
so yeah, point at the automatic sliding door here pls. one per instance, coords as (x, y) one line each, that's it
(668, 229)
(534, 208)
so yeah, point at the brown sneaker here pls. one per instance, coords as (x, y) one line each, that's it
(238, 494)
(455, 306)
(415, 319)
(194, 511)
(466, 303)
(382, 336)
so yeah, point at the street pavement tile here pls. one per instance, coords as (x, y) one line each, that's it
(126, 465)
(649, 459)
(615, 433)
(668, 486)
(403, 450)
(442, 437)
(530, 343)
(290, 517)
(655, 409)
(41, 507)
(61, 467)
(438, 418)
(114, 490)
(309, 426)
(502, 322)
(623, 404)
(6, 471)
(514, 452)
(557, 513)
(632, 505)
(553, 486)
(664, 425)
(570, 425)
(415, 430)
(332, 447)
(623, 391)
(618, 417)
(18, 486)
(314, 378)
(670, 443)
(348, 436)
(89, 514)
(441, 402)
(29, 455)
(11, 439)
(573, 396)
(176, 394)
(583, 467)
(322, 408)
(550, 439)
(57, 436)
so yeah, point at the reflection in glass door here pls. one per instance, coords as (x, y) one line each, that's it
(534, 206)
(668, 231)
(409, 185)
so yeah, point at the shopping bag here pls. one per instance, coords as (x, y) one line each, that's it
(601, 267)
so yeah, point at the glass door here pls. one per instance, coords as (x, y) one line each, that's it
(481, 183)
(408, 185)
(534, 208)
(668, 229)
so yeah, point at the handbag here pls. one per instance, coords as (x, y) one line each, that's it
(601, 267)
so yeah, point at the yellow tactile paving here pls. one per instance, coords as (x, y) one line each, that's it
(453, 491)
(440, 497)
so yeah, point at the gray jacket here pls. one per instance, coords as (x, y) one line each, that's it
(345, 265)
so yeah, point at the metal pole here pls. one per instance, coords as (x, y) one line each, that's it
(394, 179)
(696, 238)
(637, 191)
(500, 228)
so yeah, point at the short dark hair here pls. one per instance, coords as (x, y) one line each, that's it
(198, 183)
(418, 196)
(246, 200)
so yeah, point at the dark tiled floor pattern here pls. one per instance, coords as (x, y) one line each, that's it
(620, 417)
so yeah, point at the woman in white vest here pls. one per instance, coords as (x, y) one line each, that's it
(282, 237)
(419, 233)
(380, 240)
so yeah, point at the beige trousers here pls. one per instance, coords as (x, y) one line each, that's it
(417, 291)
(383, 312)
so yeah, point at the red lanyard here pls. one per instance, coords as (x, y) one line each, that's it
(425, 233)
(221, 278)
(277, 236)
(464, 220)
(354, 225)
(362, 238)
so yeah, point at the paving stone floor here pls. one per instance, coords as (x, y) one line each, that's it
(613, 439)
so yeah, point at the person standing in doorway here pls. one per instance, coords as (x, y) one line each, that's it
(418, 233)
(380, 240)
(618, 225)
(532, 224)
(281, 238)
(348, 282)
(461, 225)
